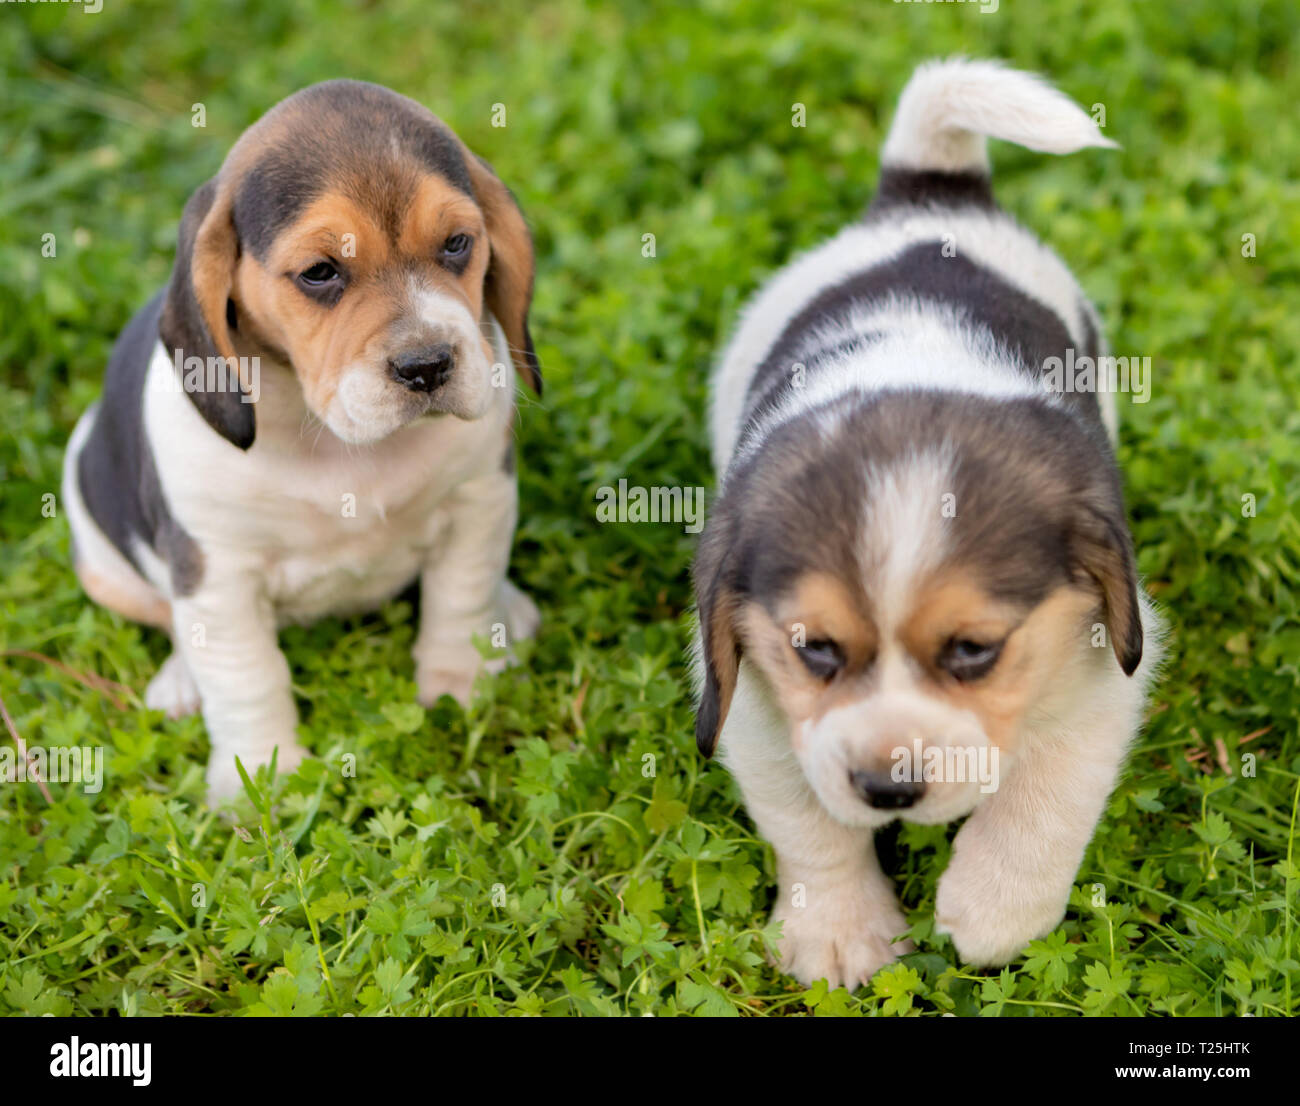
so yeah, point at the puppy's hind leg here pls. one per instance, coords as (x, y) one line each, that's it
(106, 575)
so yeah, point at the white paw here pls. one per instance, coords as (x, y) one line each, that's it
(451, 668)
(522, 617)
(223, 778)
(173, 690)
(991, 914)
(843, 938)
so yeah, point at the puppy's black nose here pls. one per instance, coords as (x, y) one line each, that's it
(882, 791)
(424, 370)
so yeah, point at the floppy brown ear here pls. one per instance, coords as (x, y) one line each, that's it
(1104, 551)
(508, 288)
(196, 313)
(716, 602)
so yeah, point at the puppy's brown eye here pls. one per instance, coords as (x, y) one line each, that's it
(969, 660)
(319, 274)
(457, 246)
(822, 658)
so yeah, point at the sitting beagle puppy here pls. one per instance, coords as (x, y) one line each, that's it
(918, 565)
(315, 412)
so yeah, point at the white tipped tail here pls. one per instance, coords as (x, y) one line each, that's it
(950, 107)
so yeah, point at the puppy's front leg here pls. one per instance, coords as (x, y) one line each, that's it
(839, 911)
(1015, 859)
(226, 634)
(464, 590)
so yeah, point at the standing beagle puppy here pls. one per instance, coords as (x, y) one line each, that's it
(917, 591)
(316, 411)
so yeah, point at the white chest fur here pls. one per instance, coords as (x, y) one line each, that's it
(330, 527)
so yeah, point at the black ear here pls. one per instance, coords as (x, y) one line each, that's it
(508, 287)
(1103, 550)
(196, 315)
(716, 602)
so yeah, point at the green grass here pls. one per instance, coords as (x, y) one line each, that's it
(518, 858)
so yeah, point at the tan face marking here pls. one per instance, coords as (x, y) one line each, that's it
(950, 606)
(378, 310)
(820, 607)
(438, 210)
(1036, 652)
(953, 607)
